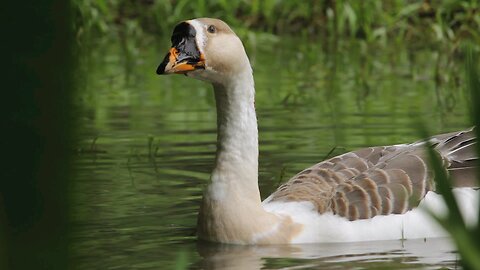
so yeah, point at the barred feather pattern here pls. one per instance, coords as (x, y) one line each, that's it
(382, 180)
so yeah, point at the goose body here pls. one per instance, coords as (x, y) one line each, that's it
(375, 193)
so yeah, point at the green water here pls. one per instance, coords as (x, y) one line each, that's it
(147, 144)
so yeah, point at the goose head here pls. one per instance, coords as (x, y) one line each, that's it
(205, 49)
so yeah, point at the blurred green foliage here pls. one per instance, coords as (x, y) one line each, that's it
(37, 133)
(371, 20)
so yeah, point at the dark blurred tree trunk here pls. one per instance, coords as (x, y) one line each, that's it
(36, 133)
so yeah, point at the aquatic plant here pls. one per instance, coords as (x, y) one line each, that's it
(465, 238)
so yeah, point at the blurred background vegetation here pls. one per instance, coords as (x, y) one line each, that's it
(434, 22)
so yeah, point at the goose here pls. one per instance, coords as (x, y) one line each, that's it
(376, 193)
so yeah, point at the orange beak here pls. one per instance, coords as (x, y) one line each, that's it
(176, 62)
(180, 64)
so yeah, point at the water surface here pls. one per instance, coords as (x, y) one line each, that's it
(147, 144)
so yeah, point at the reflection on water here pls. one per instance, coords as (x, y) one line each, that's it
(146, 148)
(381, 254)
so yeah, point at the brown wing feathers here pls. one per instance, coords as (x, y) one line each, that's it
(459, 153)
(381, 180)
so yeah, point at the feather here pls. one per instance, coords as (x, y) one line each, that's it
(382, 180)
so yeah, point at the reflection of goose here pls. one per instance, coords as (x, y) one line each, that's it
(369, 194)
(436, 252)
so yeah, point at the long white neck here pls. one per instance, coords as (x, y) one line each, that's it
(231, 210)
(236, 163)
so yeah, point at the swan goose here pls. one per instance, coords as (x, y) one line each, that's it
(369, 194)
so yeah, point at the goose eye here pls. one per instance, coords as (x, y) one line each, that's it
(211, 29)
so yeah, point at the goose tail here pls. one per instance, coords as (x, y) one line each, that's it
(459, 153)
